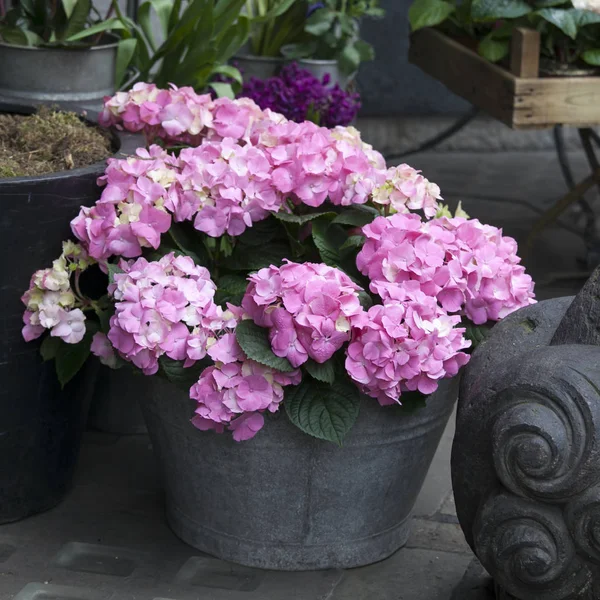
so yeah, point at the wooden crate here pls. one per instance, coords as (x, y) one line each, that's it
(522, 102)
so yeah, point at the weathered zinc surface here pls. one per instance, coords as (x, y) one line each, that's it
(526, 456)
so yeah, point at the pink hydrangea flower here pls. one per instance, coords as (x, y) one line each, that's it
(179, 115)
(405, 189)
(163, 307)
(51, 303)
(468, 267)
(400, 347)
(224, 187)
(130, 213)
(103, 349)
(308, 309)
(234, 393)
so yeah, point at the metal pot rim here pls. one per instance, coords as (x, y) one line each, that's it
(64, 49)
(259, 58)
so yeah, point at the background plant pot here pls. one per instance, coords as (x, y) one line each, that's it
(320, 68)
(78, 75)
(116, 403)
(40, 425)
(261, 67)
(286, 501)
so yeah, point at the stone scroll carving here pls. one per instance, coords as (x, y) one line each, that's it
(526, 455)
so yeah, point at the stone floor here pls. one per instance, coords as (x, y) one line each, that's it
(108, 540)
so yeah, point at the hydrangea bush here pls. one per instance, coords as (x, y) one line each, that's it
(260, 263)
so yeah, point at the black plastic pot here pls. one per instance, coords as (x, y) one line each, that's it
(40, 424)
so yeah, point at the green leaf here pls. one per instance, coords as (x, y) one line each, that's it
(230, 288)
(324, 372)
(68, 6)
(349, 60)
(254, 341)
(365, 50)
(184, 378)
(108, 25)
(493, 10)
(112, 271)
(354, 241)
(328, 239)
(365, 300)
(561, 18)
(125, 52)
(259, 234)
(163, 9)
(493, 50)
(324, 411)
(592, 57)
(355, 217)
(476, 333)
(230, 72)
(301, 219)
(223, 90)
(78, 18)
(14, 35)
(49, 347)
(188, 242)
(585, 17)
(319, 22)
(245, 259)
(428, 13)
(299, 50)
(70, 358)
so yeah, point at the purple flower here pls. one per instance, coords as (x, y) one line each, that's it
(300, 96)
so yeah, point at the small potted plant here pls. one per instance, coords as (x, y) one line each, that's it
(292, 293)
(324, 37)
(570, 31)
(300, 96)
(49, 164)
(59, 51)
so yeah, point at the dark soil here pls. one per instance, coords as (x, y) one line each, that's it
(47, 142)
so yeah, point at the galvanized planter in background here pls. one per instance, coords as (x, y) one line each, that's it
(78, 75)
(287, 501)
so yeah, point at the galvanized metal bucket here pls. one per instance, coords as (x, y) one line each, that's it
(286, 501)
(320, 68)
(77, 75)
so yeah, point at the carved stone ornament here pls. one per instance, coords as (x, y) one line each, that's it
(526, 455)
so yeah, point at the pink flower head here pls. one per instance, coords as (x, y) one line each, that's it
(234, 395)
(468, 267)
(130, 213)
(308, 309)
(102, 348)
(163, 307)
(225, 187)
(406, 346)
(406, 189)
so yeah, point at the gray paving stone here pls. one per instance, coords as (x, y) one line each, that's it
(410, 574)
(205, 571)
(41, 591)
(94, 558)
(476, 584)
(432, 535)
(6, 551)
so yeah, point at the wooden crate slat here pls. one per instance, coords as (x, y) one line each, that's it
(465, 73)
(557, 100)
(521, 103)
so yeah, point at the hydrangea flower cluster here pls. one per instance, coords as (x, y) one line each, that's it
(312, 164)
(300, 96)
(130, 213)
(405, 346)
(225, 186)
(50, 301)
(164, 307)
(308, 308)
(236, 391)
(465, 265)
(405, 189)
(179, 115)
